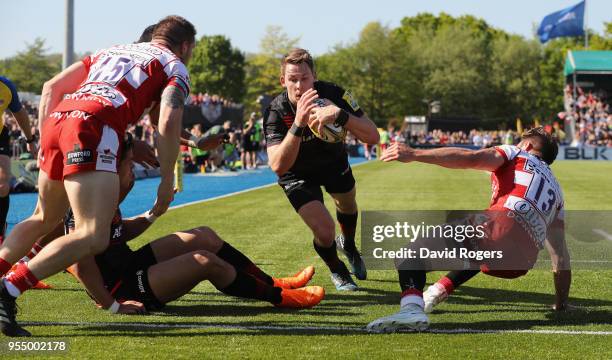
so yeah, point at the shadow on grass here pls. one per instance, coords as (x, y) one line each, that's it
(486, 296)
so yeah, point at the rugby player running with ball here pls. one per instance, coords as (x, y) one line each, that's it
(304, 161)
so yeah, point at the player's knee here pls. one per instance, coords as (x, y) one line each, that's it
(209, 262)
(207, 238)
(97, 240)
(202, 258)
(325, 232)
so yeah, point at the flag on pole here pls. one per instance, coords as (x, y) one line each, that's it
(566, 22)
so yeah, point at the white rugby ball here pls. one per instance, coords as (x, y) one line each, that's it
(331, 132)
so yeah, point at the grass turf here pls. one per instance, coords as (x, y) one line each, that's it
(264, 226)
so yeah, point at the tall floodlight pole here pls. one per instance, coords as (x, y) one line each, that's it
(68, 57)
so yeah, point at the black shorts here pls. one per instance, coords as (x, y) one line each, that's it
(247, 145)
(135, 280)
(302, 190)
(5, 142)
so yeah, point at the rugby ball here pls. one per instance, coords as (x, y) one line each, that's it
(331, 133)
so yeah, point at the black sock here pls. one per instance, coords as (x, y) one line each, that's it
(330, 257)
(348, 224)
(459, 277)
(249, 287)
(4, 208)
(242, 263)
(412, 279)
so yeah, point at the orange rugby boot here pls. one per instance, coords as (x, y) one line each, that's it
(296, 281)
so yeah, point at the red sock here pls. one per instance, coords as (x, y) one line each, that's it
(412, 291)
(35, 250)
(4, 267)
(22, 278)
(448, 284)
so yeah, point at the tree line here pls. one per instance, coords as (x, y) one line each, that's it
(471, 68)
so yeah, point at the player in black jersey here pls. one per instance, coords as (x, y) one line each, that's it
(129, 282)
(304, 162)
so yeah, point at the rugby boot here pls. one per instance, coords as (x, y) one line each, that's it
(300, 279)
(358, 267)
(410, 317)
(8, 312)
(301, 298)
(434, 295)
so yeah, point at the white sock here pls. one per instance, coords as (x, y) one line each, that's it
(412, 299)
(12, 289)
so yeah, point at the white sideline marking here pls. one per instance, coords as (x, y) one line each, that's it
(308, 328)
(603, 233)
(238, 192)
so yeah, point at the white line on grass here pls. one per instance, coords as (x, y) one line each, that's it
(307, 328)
(238, 192)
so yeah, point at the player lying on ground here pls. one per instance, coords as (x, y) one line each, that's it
(126, 281)
(523, 185)
(304, 161)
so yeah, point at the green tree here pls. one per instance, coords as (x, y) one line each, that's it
(263, 68)
(515, 78)
(30, 68)
(377, 69)
(217, 68)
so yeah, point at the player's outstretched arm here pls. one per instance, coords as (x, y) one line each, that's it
(561, 267)
(449, 157)
(66, 82)
(170, 119)
(133, 228)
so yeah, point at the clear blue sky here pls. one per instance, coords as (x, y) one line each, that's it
(320, 24)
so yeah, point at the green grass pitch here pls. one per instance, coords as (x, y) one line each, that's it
(207, 324)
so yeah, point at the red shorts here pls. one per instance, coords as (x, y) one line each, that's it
(504, 234)
(75, 142)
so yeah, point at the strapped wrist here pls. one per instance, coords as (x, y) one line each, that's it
(297, 130)
(342, 118)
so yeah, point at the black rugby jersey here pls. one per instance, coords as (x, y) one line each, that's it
(315, 155)
(112, 261)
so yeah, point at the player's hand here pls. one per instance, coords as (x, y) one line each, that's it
(304, 106)
(144, 154)
(131, 307)
(321, 116)
(165, 195)
(399, 152)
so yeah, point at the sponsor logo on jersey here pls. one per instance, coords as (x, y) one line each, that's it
(526, 215)
(350, 99)
(107, 157)
(79, 156)
(141, 288)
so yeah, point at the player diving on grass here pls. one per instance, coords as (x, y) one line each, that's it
(132, 282)
(525, 214)
(304, 161)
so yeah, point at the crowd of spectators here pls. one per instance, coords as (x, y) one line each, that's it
(591, 114)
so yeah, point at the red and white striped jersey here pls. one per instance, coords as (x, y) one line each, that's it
(526, 185)
(125, 81)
